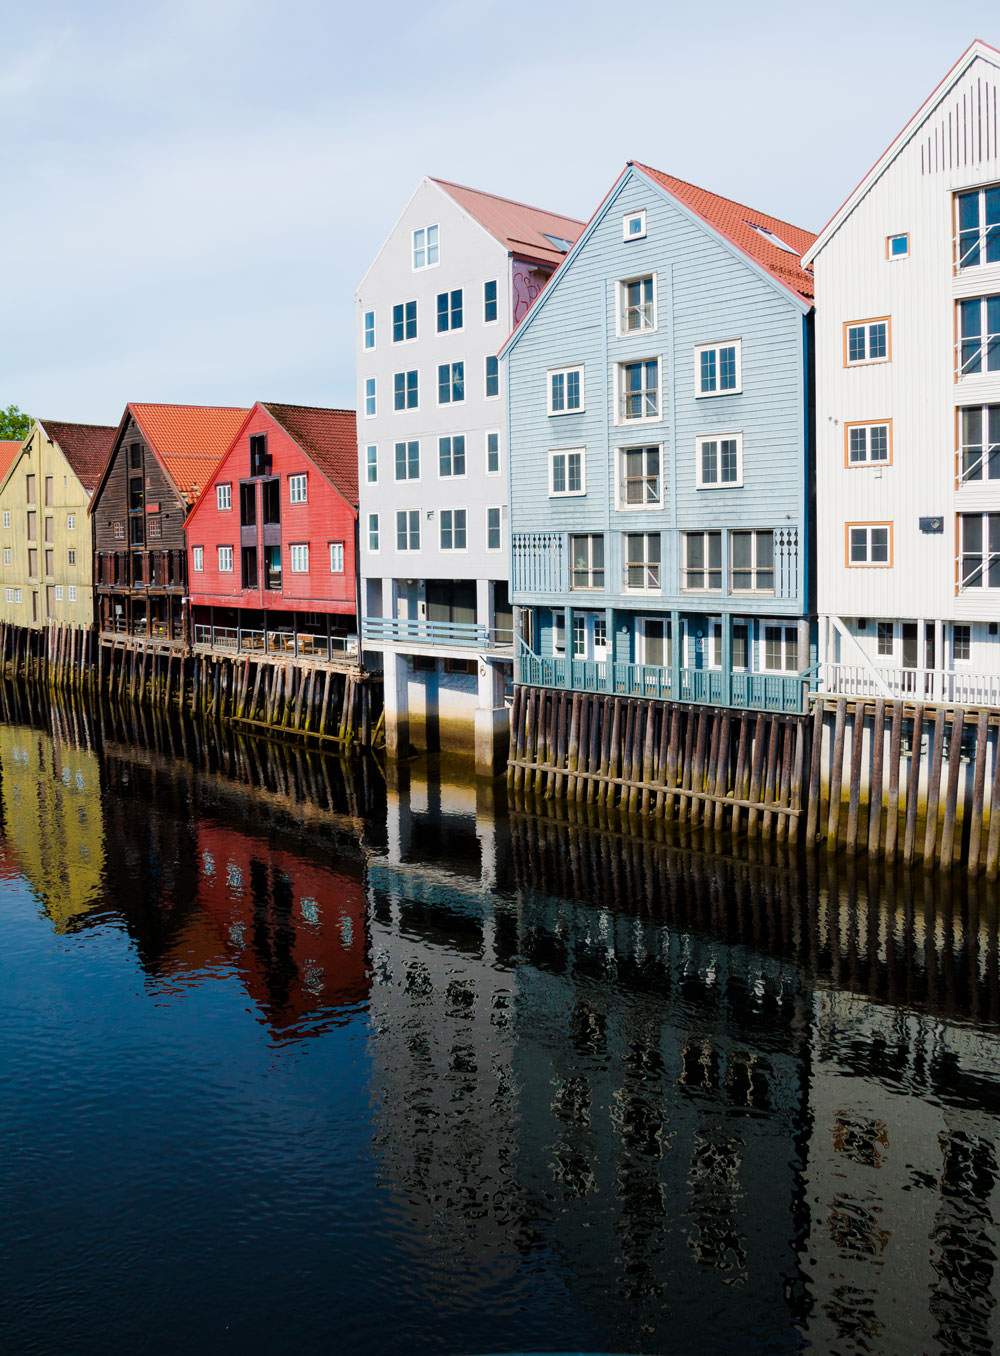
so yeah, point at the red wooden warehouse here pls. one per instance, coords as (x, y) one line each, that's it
(272, 540)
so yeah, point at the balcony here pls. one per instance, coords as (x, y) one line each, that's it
(291, 644)
(408, 630)
(951, 687)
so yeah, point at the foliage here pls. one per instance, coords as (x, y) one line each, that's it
(14, 424)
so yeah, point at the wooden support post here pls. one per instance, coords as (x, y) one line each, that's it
(892, 807)
(836, 773)
(913, 788)
(978, 791)
(934, 789)
(854, 791)
(875, 786)
(951, 794)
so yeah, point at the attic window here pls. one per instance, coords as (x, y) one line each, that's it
(775, 240)
(634, 225)
(558, 242)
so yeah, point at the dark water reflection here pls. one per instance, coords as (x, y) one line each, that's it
(291, 1060)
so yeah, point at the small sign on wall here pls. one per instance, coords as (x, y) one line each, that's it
(932, 524)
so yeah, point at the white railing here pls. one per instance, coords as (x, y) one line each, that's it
(953, 686)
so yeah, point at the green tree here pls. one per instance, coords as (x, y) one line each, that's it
(14, 424)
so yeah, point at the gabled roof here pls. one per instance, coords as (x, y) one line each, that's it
(522, 229)
(737, 223)
(189, 440)
(976, 51)
(328, 437)
(86, 447)
(8, 454)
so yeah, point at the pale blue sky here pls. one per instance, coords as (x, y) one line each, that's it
(194, 190)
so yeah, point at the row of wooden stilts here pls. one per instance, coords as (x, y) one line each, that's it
(739, 770)
(65, 657)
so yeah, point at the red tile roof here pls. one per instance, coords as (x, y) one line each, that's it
(8, 451)
(86, 447)
(522, 229)
(737, 221)
(328, 437)
(190, 440)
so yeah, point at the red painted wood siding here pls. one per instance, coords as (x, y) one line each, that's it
(325, 517)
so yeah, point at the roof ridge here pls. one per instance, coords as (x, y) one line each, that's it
(319, 409)
(171, 405)
(73, 423)
(499, 197)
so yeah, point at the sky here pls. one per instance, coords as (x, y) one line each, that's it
(195, 189)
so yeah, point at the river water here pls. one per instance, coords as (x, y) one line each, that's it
(295, 1061)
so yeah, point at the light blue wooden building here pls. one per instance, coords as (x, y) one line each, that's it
(661, 433)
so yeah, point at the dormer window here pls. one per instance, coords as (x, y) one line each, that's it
(260, 462)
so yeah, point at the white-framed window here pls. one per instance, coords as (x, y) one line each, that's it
(558, 631)
(719, 461)
(701, 553)
(404, 322)
(297, 489)
(197, 558)
(637, 305)
(867, 341)
(298, 557)
(59, 593)
(490, 310)
(71, 556)
(454, 524)
(979, 550)
(369, 329)
(404, 390)
(885, 639)
(370, 398)
(225, 559)
(979, 443)
(642, 561)
(897, 246)
(493, 453)
(451, 455)
(586, 556)
(449, 311)
(6, 517)
(223, 497)
(17, 595)
(869, 444)
(639, 391)
(565, 388)
(979, 336)
(373, 531)
(977, 214)
(336, 557)
(492, 376)
(408, 460)
(869, 544)
(70, 522)
(640, 482)
(426, 247)
(751, 561)
(371, 463)
(493, 539)
(961, 643)
(10, 595)
(634, 225)
(740, 646)
(7, 558)
(781, 649)
(567, 471)
(408, 530)
(451, 383)
(72, 593)
(718, 368)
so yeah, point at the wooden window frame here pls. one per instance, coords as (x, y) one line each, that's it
(868, 321)
(867, 464)
(868, 564)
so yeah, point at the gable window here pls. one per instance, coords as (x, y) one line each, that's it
(404, 322)
(493, 454)
(869, 444)
(979, 547)
(7, 555)
(979, 331)
(369, 329)
(451, 455)
(565, 390)
(298, 558)
(449, 310)
(371, 464)
(637, 305)
(642, 561)
(425, 247)
(118, 529)
(781, 649)
(29, 489)
(566, 471)
(492, 376)
(297, 489)
(493, 529)
(369, 397)
(897, 246)
(408, 461)
(70, 522)
(373, 531)
(639, 390)
(408, 530)
(869, 544)
(223, 497)
(718, 368)
(586, 554)
(453, 529)
(260, 462)
(719, 461)
(451, 383)
(979, 443)
(978, 214)
(701, 553)
(866, 341)
(154, 526)
(336, 557)
(634, 225)
(404, 391)
(225, 559)
(639, 484)
(490, 312)
(6, 517)
(71, 557)
(751, 562)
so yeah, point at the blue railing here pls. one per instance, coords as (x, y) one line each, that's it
(467, 634)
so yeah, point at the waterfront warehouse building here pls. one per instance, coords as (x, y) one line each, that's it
(458, 270)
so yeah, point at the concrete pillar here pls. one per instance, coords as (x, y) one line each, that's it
(396, 677)
(492, 719)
